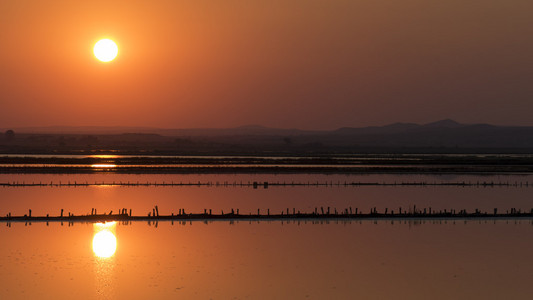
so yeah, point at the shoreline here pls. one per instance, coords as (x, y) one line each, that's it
(274, 217)
(469, 169)
(354, 164)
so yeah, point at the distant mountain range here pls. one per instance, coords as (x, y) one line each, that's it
(242, 130)
(444, 133)
(398, 137)
(396, 128)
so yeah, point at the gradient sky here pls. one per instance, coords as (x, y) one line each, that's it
(305, 64)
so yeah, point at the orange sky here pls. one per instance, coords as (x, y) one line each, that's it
(282, 63)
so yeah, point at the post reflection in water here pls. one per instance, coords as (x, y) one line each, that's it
(104, 247)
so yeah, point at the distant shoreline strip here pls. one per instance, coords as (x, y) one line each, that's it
(422, 169)
(267, 184)
(318, 214)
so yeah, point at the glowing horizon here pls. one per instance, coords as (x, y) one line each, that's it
(288, 64)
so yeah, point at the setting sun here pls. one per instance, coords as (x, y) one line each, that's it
(105, 50)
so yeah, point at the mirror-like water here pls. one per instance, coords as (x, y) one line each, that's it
(268, 260)
(80, 200)
(434, 259)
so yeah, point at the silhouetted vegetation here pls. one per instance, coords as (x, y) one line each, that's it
(440, 137)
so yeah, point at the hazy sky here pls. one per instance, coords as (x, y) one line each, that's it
(306, 64)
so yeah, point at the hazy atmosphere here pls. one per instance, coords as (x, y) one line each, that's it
(288, 64)
(266, 149)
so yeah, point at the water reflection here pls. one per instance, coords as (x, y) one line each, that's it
(104, 240)
(104, 248)
(296, 259)
(105, 156)
(103, 166)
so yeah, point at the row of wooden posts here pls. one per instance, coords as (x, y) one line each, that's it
(409, 221)
(124, 213)
(266, 184)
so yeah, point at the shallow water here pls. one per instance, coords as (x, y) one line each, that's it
(270, 260)
(80, 200)
(435, 259)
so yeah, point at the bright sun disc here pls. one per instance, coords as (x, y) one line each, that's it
(104, 244)
(105, 50)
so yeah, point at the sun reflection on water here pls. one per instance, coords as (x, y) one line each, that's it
(103, 156)
(104, 240)
(104, 244)
(103, 166)
(104, 248)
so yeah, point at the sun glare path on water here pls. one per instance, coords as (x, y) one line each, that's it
(103, 156)
(103, 166)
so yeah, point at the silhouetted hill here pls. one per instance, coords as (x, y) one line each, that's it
(392, 128)
(447, 123)
(444, 133)
(445, 136)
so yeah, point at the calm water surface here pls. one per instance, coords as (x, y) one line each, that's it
(81, 200)
(264, 260)
(268, 260)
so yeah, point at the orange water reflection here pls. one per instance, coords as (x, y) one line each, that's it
(104, 240)
(103, 166)
(271, 260)
(44, 200)
(104, 246)
(104, 156)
